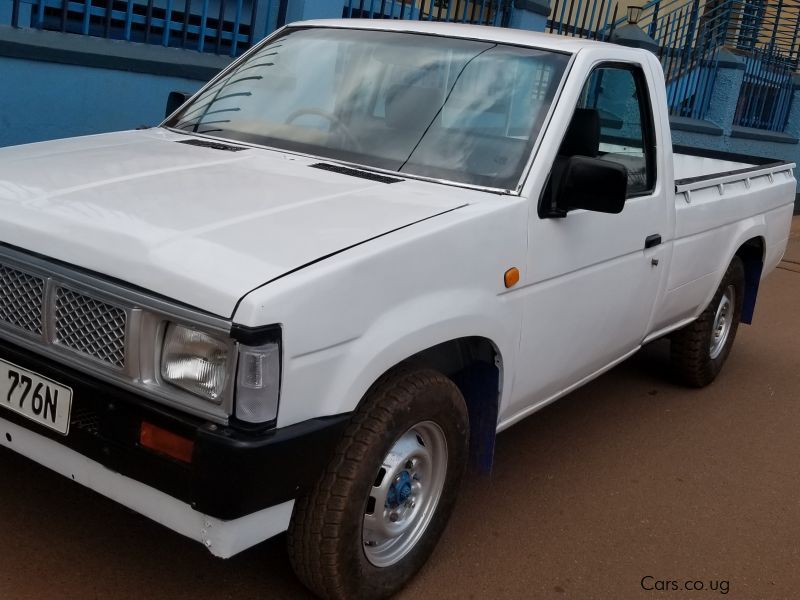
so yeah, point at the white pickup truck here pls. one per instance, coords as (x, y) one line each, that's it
(312, 296)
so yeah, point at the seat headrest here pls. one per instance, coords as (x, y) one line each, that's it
(412, 107)
(583, 134)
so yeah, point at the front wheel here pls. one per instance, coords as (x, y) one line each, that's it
(699, 349)
(375, 515)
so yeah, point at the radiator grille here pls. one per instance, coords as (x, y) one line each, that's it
(90, 326)
(98, 327)
(21, 298)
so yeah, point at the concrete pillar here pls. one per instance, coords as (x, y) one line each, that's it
(303, 10)
(529, 14)
(725, 93)
(633, 37)
(6, 9)
(793, 122)
(265, 18)
(793, 125)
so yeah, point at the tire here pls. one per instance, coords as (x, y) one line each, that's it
(333, 542)
(699, 349)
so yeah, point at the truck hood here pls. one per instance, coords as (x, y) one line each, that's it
(200, 225)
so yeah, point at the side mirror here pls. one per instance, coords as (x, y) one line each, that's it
(175, 100)
(592, 184)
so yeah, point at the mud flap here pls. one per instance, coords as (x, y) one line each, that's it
(480, 384)
(752, 278)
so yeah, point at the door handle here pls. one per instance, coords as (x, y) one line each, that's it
(652, 240)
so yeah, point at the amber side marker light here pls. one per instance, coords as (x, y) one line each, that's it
(165, 442)
(511, 277)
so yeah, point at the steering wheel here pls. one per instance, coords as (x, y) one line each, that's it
(335, 121)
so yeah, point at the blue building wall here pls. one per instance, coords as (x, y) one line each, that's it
(45, 100)
(55, 85)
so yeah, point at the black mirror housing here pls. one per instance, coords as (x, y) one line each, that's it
(175, 100)
(592, 184)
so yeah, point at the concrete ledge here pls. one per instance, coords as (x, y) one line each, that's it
(633, 37)
(71, 49)
(728, 60)
(695, 126)
(722, 58)
(539, 7)
(762, 135)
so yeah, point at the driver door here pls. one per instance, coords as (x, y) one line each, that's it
(595, 276)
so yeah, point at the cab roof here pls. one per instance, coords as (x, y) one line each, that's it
(501, 35)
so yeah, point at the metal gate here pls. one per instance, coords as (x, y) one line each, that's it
(475, 12)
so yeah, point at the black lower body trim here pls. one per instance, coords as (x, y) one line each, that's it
(233, 472)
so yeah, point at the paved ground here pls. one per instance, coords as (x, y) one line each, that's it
(629, 477)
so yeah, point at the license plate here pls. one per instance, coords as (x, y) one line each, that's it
(35, 397)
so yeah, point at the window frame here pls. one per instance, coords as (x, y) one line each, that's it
(646, 117)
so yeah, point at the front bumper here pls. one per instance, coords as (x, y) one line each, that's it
(233, 473)
(222, 538)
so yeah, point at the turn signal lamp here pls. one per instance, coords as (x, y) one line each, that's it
(258, 383)
(165, 442)
(511, 278)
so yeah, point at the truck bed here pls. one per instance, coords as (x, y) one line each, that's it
(696, 168)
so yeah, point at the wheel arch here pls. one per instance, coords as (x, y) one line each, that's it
(475, 365)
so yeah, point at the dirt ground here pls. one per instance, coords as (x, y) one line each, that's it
(629, 483)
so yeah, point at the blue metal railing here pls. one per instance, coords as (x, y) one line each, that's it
(768, 40)
(218, 26)
(591, 19)
(476, 12)
(686, 32)
(225, 26)
(766, 95)
(690, 35)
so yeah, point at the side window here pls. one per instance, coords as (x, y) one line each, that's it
(612, 122)
(618, 96)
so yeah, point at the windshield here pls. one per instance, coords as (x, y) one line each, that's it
(459, 110)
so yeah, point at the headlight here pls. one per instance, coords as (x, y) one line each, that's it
(258, 383)
(195, 361)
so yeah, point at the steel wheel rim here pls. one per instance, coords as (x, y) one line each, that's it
(404, 494)
(723, 321)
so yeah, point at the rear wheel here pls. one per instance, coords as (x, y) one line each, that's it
(699, 350)
(375, 515)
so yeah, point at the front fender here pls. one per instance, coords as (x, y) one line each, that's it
(415, 326)
(333, 380)
(348, 320)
